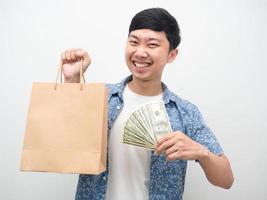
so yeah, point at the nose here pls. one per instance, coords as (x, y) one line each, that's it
(141, 52)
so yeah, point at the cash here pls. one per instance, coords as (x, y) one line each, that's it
(146, 125)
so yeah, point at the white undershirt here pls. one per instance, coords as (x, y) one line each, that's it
(129, 166)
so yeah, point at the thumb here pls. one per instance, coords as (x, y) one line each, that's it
(85, 56)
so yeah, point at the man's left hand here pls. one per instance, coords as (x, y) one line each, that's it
(177, 145)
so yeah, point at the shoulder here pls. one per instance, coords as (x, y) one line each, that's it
(182, 104)
(188, 111)
(112, 86)
(115, 89)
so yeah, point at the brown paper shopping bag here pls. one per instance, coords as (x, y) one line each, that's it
(66, 129)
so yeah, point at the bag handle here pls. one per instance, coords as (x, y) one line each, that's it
(60, 72)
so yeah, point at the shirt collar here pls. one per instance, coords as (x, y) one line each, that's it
(119, 87)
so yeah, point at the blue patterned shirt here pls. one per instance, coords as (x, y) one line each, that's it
(167, 178)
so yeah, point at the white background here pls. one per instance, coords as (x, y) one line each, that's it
(221, 67)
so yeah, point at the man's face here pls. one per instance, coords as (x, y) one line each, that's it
(146, 54)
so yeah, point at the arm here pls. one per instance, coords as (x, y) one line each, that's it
(217, 170)
(71, 64)
(179, 146)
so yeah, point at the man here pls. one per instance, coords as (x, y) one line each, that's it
(135, 173)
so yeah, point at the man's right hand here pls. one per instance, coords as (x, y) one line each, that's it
(71, 60)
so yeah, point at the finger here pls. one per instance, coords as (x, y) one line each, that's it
(181, 154)
(172, 149)
(79, 52)
(85, 56)
(164, 138)
(173, 156)
(73, 55)
(165, 145)
(176, 155)
(63, 58)
(67, 56)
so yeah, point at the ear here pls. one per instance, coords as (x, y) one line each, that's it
(172, 55)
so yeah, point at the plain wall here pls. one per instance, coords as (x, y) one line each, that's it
(221, 67)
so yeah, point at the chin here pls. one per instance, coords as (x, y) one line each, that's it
(141, 77)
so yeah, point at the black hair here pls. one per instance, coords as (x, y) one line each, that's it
(158, 19)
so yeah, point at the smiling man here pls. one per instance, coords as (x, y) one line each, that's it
(135, 173)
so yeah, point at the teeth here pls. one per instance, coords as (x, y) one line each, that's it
(141, 65)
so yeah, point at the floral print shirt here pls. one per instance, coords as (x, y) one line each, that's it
(167, 178)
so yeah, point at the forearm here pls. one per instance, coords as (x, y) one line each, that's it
(217, 169)
(179, 146)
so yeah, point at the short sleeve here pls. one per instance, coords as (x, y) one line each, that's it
(201, 133)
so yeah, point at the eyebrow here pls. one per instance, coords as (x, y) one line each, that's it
(149, 39)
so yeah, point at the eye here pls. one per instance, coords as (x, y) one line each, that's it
(153, 45)
(133, 42)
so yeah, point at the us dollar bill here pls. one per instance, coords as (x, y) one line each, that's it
(159, 119)
(146, 125)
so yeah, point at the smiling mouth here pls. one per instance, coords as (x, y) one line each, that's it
(141, 65)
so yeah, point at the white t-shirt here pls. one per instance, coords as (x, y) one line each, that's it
(129, 166)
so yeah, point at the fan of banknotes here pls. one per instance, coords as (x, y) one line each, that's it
(146, 125)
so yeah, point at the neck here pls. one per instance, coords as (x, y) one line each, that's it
(145, 88)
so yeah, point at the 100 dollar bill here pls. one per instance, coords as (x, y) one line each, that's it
(146, 125)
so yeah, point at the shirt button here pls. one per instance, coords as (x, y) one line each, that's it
(118, 107)
(104, 178)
